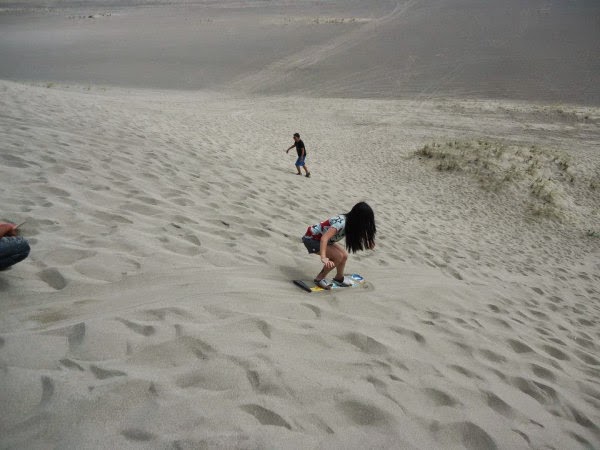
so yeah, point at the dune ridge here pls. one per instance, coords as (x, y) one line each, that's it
(156, 308)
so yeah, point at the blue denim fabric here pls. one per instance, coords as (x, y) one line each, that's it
(12, 250)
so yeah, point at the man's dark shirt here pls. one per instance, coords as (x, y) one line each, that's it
(299, 146)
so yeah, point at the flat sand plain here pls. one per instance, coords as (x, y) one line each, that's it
(156, 309)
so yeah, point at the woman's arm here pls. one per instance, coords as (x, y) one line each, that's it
(323, 248)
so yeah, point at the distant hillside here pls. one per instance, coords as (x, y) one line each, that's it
(542, 50)
(538, 50)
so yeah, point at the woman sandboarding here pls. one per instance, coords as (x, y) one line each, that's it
(357, 226)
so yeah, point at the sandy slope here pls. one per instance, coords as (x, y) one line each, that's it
(516, 49)
(156, 309)
(512, 49)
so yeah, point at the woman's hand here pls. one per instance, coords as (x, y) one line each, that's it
(329, 264)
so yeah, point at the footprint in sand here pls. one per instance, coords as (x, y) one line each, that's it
(503, 323)
(66, 255)
(494, 308)
(139, 208)
(181, 245)
(217, 374)
(468, 434)
(498, 405)
(314, 309)
(258, 232)
(262, 326)
(265, 416)
(105, 217)
(440, 398)
(70, 364)
(518, 346)
(410, 333)
(47, 390)
(14, 161)
(183, 201)
(539, 314)
(586, 322)
(147, 200)
(56, 192)
(144, 330)
(587, 358)
(135, 434)
(544, 394)
(364, 414)
(53, 278)
(365, 343)
(161, 313)
(556, 353)
(76, 335)
(466, 372)
(584, 341)
(542, 372)
(103, 374)
(583, 441)
(523, 435)
(192, 238)
(492, 356)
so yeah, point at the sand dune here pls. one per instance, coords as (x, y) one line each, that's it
(520, 50)
(156, 308)
(524, 50)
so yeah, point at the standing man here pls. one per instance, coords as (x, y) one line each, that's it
(301, 155)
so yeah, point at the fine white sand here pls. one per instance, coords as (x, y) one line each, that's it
(156, 309)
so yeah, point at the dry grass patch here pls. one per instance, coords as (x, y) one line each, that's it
(540, 175)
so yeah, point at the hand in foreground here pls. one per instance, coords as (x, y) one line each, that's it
(7, 229)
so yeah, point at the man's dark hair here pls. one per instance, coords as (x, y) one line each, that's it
(297, 135)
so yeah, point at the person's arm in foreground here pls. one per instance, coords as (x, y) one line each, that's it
(7, 229)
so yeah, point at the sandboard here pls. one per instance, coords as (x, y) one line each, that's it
(310, 286)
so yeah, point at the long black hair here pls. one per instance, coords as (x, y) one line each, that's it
(360, 228)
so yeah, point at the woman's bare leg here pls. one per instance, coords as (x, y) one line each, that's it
(339, 256)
